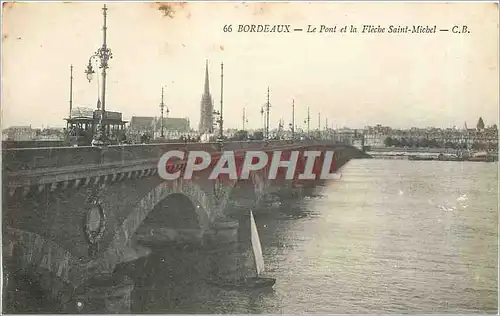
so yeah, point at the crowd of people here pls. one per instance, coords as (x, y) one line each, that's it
(147, 139)
(86, 136)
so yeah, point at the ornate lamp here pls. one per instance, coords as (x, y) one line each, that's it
(89, 72)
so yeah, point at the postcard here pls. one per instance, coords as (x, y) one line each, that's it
(250, 157)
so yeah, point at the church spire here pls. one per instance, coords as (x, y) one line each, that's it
(207, 86)
(207, 108)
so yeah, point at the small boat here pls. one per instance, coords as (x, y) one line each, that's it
(421, 157)
(449, 157)
(482, 157)
(253, 282)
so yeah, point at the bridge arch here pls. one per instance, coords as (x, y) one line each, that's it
(240, 197)
(42, 263)
(244, 194)
(176, 209)
(184, 191)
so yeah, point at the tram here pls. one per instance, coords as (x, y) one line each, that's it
(82, 126)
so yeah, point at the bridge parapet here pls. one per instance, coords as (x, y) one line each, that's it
(57, 157)
(31, 169)
(20, 159)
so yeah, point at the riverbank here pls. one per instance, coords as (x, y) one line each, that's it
(414, 150)
(433, 154)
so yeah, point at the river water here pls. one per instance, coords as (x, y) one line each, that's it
(391, 236)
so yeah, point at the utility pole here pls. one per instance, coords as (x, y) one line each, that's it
(166, 119)
(319, 125)
(293, 119)
(308, 120)
(263, 121)
(70, 90)
(280, 127)
(268, 105)
(221, 120)
(326, 123)
(162, 106)
(244, 119)
(214, 118)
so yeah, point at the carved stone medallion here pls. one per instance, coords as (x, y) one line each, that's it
(95, 223)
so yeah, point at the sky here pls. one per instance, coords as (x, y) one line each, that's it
(352, 79)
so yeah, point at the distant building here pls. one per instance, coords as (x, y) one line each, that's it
(174, 127)
(374, 136)
(445, 137)
(19, 133)
(206, 107)
(51, 133)
(375, 140)
(141, 125)
(173, 124)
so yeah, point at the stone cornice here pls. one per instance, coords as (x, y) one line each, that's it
(32, 185)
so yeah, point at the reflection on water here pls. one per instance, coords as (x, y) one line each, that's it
(391, 236)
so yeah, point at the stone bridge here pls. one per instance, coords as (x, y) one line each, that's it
(71, 215)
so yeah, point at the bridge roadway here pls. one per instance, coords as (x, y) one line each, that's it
(72, 215)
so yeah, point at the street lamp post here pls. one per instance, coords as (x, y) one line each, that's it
(103, 54)
(162, 106)
(268, 105)
(70, 90)
(221, 114)
(308, 121)
(292, 125)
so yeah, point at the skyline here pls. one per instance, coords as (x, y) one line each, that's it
(430, 80)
